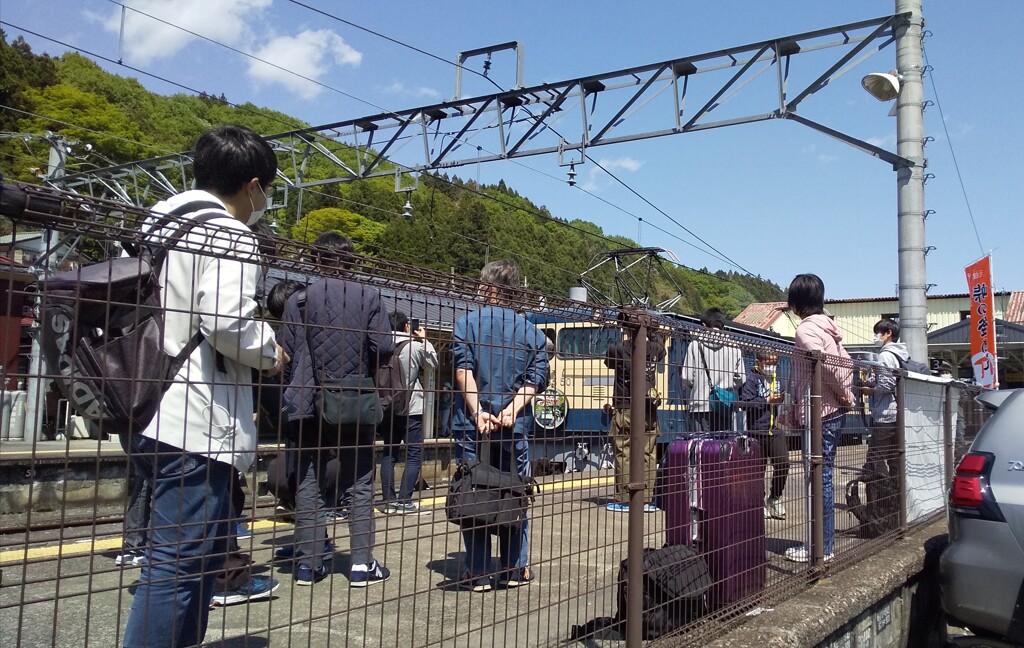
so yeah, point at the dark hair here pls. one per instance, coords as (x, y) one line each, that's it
(228, 157)
(504, 276)
(279, 294)
(398, 320)
(807, 295)
(888, 326)
(265, 241)
(713, 318)
(333, 249)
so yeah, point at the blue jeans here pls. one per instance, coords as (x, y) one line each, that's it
(188, 532)
(830, 429)
(513, 548)
(410, 430)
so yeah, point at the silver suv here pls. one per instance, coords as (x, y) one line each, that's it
(982, 569)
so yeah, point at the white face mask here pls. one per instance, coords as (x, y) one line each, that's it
(769, 369)
(257, 214)
(879, 341)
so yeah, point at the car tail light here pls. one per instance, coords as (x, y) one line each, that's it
(970, 493)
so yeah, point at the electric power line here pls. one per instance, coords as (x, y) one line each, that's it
(949, 142)
(244, 109)
(716, 253)
(722, 255)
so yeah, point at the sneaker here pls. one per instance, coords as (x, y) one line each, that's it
(284, 512)
(518, 577)
(411, 508)
(802, 554)
(390, 508)
(649, 507)
(258, 587)
(618, 507)
(305, 576)
(130, 558)
(241, 531)
(776, 508)
(480, 584)
(336, 515)
(287, 553)
(377, 573)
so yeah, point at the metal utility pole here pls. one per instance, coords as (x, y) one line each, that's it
(910, 180)
(37, 383)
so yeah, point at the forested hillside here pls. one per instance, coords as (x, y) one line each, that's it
(456, 225)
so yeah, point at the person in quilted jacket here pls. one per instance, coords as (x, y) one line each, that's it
(337, 327)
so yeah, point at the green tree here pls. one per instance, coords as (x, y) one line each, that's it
(85, 117)
(362, 231)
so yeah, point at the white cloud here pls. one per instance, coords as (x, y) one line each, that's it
(146, 39)
(594, 173)
(309, 53)
(421, 92)
(624, 163)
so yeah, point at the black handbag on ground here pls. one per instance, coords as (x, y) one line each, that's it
(481, 496)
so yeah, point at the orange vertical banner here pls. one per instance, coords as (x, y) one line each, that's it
(983, 323)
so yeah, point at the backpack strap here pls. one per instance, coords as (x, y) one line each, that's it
(161, 222)
(401, 346)
(157, 260)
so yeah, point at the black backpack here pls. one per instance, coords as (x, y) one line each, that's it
(676, 585)
(877, 515)
(914, 366)
(393, 385)
(102, 327)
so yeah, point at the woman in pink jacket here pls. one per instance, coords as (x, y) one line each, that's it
(817, 332)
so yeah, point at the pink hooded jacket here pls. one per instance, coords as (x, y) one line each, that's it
(819, 333)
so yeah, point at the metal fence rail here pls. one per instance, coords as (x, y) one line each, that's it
(93, 516)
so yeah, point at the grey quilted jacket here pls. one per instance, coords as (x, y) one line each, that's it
(341, 330)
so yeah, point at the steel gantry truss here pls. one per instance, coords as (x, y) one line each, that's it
(564, 118)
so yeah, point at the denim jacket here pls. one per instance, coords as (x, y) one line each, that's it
(504, 351)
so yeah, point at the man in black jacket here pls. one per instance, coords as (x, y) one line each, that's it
(339, 330)
(619, 358)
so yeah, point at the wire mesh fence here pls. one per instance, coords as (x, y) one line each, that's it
(356, 452)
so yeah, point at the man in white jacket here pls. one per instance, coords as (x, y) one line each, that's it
(204, 429)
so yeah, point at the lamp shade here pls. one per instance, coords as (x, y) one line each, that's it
(882, 86)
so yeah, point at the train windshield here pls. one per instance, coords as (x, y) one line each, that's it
(586, 342)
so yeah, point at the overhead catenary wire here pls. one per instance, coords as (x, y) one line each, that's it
(327, 14)
(290, 124)
(713, 252)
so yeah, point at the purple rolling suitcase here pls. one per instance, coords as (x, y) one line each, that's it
(714, 501)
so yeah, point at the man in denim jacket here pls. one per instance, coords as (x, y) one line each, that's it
(500, 365)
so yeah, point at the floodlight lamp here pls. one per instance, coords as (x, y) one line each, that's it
(881, 85)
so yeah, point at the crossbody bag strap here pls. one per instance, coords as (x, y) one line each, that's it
(707, 371)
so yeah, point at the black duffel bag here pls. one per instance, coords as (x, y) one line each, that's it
(676, 583)
(483, 497)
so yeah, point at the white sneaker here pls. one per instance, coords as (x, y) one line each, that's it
(802, 554)
(773, 508)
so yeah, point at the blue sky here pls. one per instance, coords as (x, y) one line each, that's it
(776, 197)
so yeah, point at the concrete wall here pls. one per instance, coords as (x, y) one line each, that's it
(889, 599)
